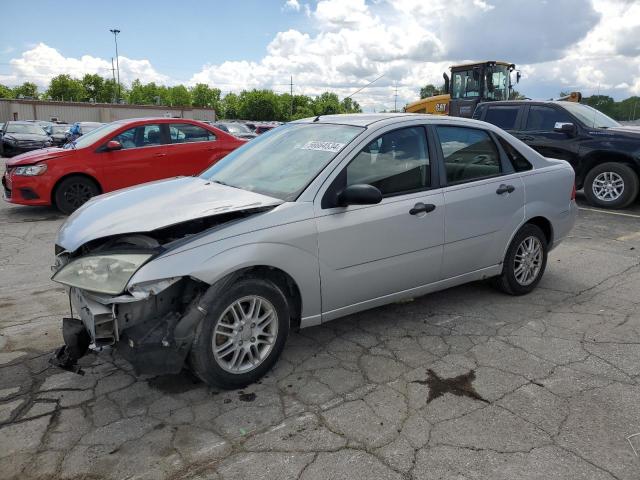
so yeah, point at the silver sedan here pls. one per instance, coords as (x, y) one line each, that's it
(312, 221)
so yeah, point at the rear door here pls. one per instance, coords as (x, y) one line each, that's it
(484, 199)
(192, 149)
(141, 159)
(506, 117)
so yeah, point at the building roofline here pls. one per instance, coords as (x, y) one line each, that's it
(26, 101)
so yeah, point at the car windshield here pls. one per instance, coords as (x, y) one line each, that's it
(237, 128)
(59, 128)
(589, 115)
(24, 128)
(282, 162)
(94, 136)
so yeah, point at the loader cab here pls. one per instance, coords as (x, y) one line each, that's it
(473, 83)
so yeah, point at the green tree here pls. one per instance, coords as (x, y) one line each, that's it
(349, 106)
(604, 103)
(326, 104)
(64, 87)
(259, 105)
(5, 92)
(430, 90)
(93, 86)
(26, 90)
(109, 91)
(628, 109)
(204, 96)
(147, 94)
(179, 96)
(230, 106)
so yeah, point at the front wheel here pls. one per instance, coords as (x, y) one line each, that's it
(242, 335)
(524, 262)
(73, 192)
(611, 185)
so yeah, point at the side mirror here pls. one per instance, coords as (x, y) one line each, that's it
(565, 127)
(359, 194)
(113, 145)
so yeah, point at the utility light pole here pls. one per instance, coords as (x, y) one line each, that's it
(115, 32)
(113, 71)
(291, 85)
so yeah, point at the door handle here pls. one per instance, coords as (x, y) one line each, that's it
(422, 208)
(505, 189)
(161, 155)
(525, 138)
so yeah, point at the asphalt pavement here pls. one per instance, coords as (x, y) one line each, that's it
(467, 383)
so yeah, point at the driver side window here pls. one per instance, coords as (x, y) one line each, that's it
(396, 162)
(469, 154)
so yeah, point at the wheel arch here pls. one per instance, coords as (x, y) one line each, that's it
(543, 224)
(74, 174)
(598, 157)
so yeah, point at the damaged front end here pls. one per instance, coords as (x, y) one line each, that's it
(151, 324)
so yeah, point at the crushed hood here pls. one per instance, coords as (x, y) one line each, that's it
(35, 156)
(155, 205)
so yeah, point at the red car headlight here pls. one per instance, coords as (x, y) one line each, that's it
(31, 170)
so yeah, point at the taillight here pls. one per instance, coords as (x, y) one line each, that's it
(573, 192)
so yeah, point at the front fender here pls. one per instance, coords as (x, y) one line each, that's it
(212, 262)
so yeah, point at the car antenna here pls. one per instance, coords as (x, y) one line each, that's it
(317, 118)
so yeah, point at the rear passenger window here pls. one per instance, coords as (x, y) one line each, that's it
(503, 117)
(545, 118)
(395, 162)
(520, 164)
(469, 154)
(186, 133)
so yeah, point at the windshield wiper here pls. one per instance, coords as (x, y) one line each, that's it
(220, 182)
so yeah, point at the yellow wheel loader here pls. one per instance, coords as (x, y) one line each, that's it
(470, 84)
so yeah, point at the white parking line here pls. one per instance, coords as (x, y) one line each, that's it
(609, 212)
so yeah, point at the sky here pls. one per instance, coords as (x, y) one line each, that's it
(339, 45)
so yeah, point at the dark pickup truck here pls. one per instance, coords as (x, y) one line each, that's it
(604, 154)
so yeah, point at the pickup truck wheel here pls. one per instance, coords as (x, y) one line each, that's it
(611, 185)
(242, 334)
(524, 263)
(74, 191)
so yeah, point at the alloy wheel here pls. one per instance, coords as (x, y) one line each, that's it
(528, 261)
(608, 186)
(77, 194)
(245, 334)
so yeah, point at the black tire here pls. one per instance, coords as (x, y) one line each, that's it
(507, 281)
(72, 192)
(202, 358)
(628, 176)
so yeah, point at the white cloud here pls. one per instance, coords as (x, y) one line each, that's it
(292, 5)
(559, 45)
(41, 63)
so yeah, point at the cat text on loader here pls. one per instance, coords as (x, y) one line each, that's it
(470, 84)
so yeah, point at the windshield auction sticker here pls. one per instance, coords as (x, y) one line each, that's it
(323, 146)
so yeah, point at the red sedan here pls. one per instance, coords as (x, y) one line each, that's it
(117, 155)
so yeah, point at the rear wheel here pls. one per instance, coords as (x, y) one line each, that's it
(242, 335)
(611, 185)
(524, 263)
(74, 191)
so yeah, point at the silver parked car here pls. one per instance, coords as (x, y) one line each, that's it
(312, 221)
